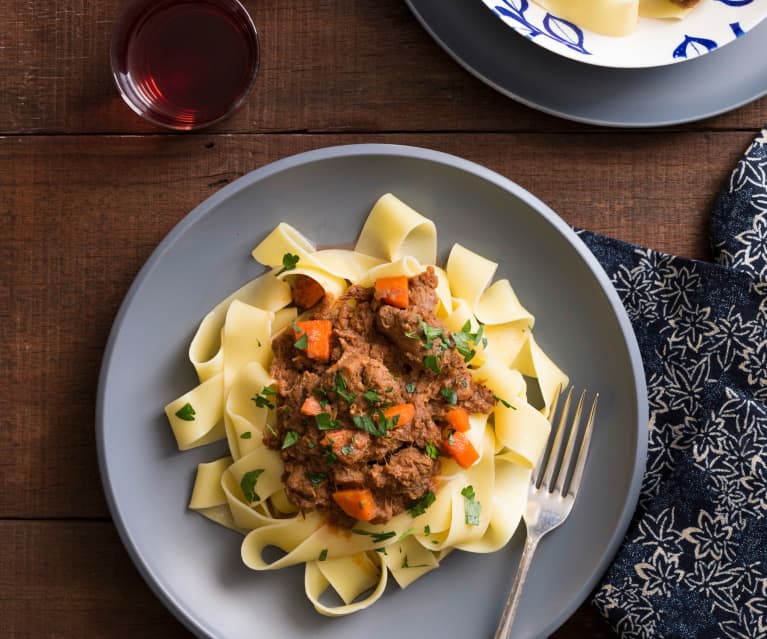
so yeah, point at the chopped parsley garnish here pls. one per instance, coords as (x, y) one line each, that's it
(504, 402)
(410, 387)
(450, 396)
(406, 565)
(291, 437)
(378, 537)
(289, 262)
(465, 340)
(248, 484)
(472, 508)
(323, 554)
(385, 422)
(246, 435)
(325, 421)
(302, 343)
(258, 341)
(372, 396)
(347, 450)
(432, 363)
(186, 412)
(330, 457)
(262, 399)
(419, 506)
(430, 333)
(341, 388)
(316, 478)
(432, 451)
(427, 530)
(389, 389)
(368, 424)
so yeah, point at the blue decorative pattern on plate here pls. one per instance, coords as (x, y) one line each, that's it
(655, 42)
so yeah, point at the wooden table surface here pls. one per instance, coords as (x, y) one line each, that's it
(87, 190)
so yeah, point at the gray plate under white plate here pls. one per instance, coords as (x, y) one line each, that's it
(692, 90)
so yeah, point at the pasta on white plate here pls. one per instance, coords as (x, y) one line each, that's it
(616, 17)
(478, 463)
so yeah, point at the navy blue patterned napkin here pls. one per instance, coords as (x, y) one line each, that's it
(694, 561)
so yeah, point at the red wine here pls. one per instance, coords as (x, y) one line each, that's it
(186, 63)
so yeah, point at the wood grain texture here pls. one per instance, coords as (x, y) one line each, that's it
(326, 65)
(71, 580)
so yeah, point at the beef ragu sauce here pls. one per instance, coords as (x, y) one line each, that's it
(369, 423)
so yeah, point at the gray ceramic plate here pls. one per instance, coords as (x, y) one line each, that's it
(193, 565)
(714, 83)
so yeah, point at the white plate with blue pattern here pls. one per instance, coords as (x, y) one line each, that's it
(710, 25)
(704, 87)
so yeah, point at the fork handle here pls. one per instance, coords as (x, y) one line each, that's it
(512, 603)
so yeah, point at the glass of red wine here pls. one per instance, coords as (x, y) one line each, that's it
(184, 64)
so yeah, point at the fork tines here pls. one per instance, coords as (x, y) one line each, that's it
(556, 470)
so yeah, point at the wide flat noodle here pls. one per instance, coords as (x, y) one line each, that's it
(208, 498)
(470, 277)
(315, 584)
(533, 362)
(662, 9)
(407, 266)
(393, 230)
(609, 17)
(268, 465)
(409, 560)
(207, 423)
(508, 501)
(245, 421)
(247, 337)
(265, 292)
(305, 539)
(519, 427)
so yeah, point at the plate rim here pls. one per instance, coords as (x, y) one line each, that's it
(599, 121)
(640, 415)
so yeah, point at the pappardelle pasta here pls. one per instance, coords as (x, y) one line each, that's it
(348, 542)
(616, 17)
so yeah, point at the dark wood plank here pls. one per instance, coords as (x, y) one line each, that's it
(63, 282)
(71, 580)
(327, 65)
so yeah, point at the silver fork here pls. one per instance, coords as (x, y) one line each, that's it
(550, 499)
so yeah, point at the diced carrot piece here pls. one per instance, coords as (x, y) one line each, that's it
(404, 412)
(356, 502)
(392, 290)
(458, 446)
(458, 418)
(306, 291)
(311, 407)
(317, 338)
